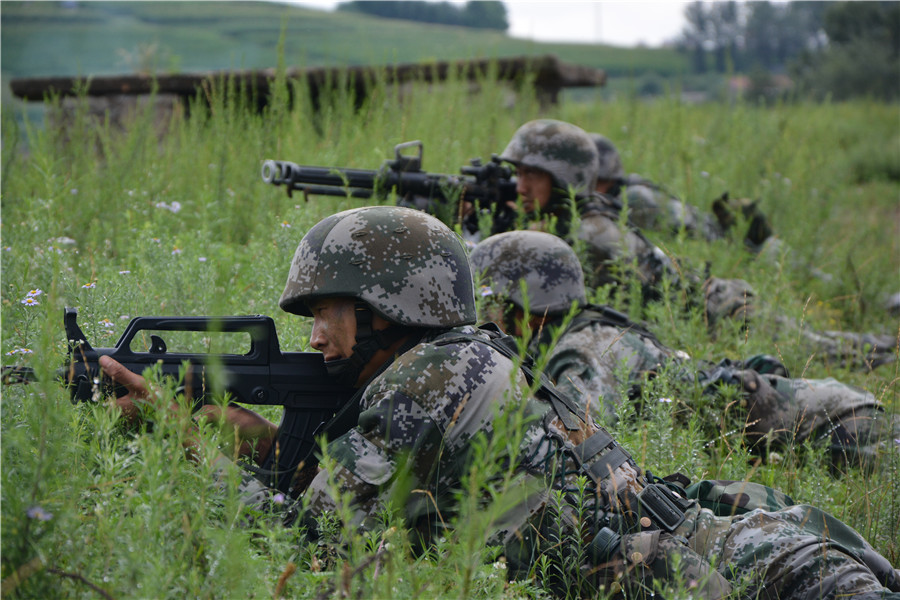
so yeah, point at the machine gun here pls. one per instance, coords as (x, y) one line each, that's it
(488, 187)
(262, 375)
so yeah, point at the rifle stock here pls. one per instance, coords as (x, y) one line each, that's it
(263, 375)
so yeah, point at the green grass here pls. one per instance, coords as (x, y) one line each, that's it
(131, 517)
(41, 39)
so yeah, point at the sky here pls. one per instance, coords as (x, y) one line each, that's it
(616, 22)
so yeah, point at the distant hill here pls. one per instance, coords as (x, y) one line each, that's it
(102, 38)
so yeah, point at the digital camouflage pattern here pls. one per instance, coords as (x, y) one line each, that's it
(568, 153)
(736, 300)
(559, 148)
(417, 421)
(788, 552)
(652, 208)
(611, 168)
(616, 251)
(772, 551)
(799, 552)
(412, 445)
(726, 497)
(405, 264)
(601, 355)
(549, 268)
(597, 362)
(649, 206)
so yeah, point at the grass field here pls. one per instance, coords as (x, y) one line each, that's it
(42, 39)
(124, 225)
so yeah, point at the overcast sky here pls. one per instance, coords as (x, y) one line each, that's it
(614, 22)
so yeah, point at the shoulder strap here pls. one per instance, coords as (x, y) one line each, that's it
(565, 408)
(604, 315)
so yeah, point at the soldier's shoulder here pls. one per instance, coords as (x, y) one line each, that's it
(458, 352)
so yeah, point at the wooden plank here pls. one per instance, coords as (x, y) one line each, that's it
(550, 74)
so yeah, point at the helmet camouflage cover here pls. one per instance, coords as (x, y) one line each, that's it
(549, 267)
(405, 264)
(562, 149)
(610, 159)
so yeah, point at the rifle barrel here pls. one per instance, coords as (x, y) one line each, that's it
(17, 374)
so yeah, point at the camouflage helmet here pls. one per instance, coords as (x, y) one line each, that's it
(559, 148)
(549, 267)
(406, 265)
(610, 160)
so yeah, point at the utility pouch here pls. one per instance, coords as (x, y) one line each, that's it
(660, 503)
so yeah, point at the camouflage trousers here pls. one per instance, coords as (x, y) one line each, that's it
(735, 299)
(782, 412)
(799, 552)
(796, 552)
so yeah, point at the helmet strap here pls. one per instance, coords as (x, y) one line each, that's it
(368, 342)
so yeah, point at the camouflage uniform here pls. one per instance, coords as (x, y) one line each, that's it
(649, 205)
(420, 413)
(418, 418)
(616, 251)
(600, 354)
(569, 155)
(594, 528)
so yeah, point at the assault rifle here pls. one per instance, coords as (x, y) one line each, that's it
(488, 187)
(263, 375)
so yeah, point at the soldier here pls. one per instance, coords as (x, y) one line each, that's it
(391, 296)
(652, 207)
(390, 293)
(557, 165)
(588, 351)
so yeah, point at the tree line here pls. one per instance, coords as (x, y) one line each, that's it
(829, 49)
(487, 14)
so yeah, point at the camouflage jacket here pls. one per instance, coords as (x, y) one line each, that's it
(599, 358)
(417, 421)
(653, 208)
(602, 357)
(420, 415)
(615, 249)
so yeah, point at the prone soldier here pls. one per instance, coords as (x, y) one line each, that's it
(652, 207)
(557, 165)
(392, 300)
(532, 280)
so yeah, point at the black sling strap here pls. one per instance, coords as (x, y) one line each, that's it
(565, 408)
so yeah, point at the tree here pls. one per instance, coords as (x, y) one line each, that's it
(482, 15)
(486, 14)
(751, 35)
(694, 36)
(725, 32)
(862, 57)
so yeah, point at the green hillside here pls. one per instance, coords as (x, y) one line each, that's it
(75, 38)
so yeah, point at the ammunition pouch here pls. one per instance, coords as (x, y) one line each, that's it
(654, 507)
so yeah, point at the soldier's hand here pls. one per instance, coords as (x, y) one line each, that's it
(136, 386)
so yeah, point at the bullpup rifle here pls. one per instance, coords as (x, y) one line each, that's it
(489, 187)
(262, 375)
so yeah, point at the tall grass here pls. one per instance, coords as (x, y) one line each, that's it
(130, 224)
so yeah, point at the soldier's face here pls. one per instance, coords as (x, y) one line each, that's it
(334, 327)
(510, 318)
(534, 186)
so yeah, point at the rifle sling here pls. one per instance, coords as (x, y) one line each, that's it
(565, 409)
